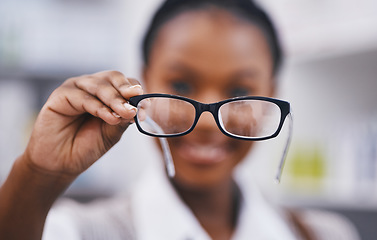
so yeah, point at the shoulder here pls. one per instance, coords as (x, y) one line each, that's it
(103, 219)
(323, 225)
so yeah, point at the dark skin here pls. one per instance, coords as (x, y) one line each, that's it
(81, 121)
(211, 56)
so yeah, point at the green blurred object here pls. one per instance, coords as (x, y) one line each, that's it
(307, 168)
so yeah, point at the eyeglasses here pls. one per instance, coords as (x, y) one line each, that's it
(247, 118)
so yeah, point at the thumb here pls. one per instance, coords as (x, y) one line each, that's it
(111, 134)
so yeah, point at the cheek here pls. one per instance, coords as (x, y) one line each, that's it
(241, 149)
(265, 87)
(149, 78)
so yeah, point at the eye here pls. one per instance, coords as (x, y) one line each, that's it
(181, 88)
(239, 92)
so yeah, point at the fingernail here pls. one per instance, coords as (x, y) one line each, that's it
(129, 107)
(116, 115)
(138, 87)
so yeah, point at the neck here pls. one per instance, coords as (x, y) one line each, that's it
(216, 207)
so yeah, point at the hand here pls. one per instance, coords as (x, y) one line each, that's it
(81, 121)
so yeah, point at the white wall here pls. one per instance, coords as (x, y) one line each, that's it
(331, 83)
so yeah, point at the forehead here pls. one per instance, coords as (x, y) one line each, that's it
(211, 36)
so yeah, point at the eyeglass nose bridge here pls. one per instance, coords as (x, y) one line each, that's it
(206, 107)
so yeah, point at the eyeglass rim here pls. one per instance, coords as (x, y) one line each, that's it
(213, 108)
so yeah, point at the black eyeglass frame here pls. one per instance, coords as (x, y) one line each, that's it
(213, 108)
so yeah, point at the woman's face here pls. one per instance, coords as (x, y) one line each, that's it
(208, 56)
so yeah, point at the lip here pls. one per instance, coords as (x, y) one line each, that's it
(202, 154)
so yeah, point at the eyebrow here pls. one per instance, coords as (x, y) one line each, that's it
(178, 66)
(246, 73)
(238, 74)
(181, 68)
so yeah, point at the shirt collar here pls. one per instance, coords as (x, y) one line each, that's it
(258, 218)
(159, 213)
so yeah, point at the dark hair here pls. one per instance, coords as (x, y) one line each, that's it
(244, 9)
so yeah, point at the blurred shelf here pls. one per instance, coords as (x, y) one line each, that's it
(42, 75)
(327, 202)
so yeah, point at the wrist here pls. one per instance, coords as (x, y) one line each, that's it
(28, 167)
(27, 184)
(26, 197)
(41, 180)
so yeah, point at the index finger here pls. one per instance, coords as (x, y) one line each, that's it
(127, 87)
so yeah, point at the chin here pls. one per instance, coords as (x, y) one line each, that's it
(199, 181)
(202, 173)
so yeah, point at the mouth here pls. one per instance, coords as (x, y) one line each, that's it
(202, 154)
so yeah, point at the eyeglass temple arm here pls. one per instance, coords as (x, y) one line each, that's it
(286, 147)
(169, 164)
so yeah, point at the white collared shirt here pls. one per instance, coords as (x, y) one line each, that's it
(159, 213)
(154, 211)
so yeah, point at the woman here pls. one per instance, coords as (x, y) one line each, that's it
(208, 51)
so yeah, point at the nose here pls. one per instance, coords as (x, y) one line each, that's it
(206, 123)
(209, 96)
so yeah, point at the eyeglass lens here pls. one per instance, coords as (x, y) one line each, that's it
(165, 116)
(250, 118)
(243, 118)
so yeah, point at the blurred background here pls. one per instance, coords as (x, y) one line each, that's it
(329, 76)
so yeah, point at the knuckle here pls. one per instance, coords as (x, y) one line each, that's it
(69, 82)
(116, 103)
(107, 93)
(133, 81)
(116, 74)
(90, 83)
(93, 88)
(55, 94)
(101, 110)
(123, 86)
(87, 96)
